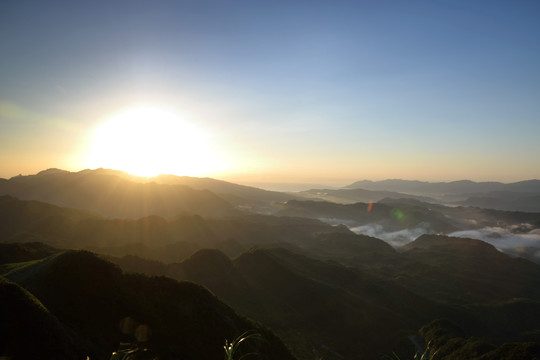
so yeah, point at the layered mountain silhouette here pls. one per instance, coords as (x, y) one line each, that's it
(153, 237)
(316, 272)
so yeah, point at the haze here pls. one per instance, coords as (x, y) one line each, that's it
(305, 91)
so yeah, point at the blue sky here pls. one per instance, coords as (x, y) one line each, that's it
(310, 91)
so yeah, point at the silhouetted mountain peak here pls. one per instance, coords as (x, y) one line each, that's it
(85, 262)
(256, 259)
(77, 271)
(207, 262)
(52, 171)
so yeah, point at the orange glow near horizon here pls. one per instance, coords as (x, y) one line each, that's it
(149, 141)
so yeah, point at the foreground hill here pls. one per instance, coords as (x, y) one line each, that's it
(318, 306)
(314, 306)
(114, 196)
(81, 299)
(22, 338)
(323, 305)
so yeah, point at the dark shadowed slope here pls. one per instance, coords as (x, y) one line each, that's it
(312, 305)
(28, 330)
(468, 270)
(91, 297)
(448, 341)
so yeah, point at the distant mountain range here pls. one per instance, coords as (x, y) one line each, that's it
(117, 194)
(445, 188)
(518, 196)
(351, 196)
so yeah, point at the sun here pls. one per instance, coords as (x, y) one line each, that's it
(148, 141)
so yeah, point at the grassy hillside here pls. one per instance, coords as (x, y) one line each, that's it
(99, 307)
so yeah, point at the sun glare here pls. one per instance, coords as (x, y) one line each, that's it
(149, 141)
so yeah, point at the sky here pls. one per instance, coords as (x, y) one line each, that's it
(325, 92)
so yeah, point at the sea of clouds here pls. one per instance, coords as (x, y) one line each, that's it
(503, 238)
(394, 238)
(522, 240)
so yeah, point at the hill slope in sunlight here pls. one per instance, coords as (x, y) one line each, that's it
(114, 196)
(56, 186)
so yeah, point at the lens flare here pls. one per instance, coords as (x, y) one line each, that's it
(397, 214)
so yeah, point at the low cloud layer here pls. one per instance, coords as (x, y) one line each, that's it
(522, 240)
(395, 238)
(523, 243)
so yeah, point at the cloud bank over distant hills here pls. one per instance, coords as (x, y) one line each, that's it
(394, 238)
(527, 243)
(523, 241)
